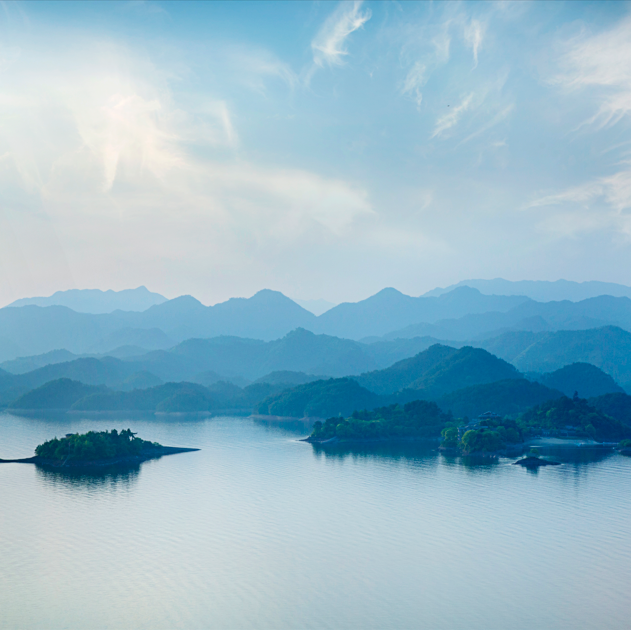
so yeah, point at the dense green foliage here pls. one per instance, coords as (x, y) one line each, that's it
(574, 414)
(487, 436)
(335, 396)
(415, 419)
(585, 379)
(94, 445)
(617, 406)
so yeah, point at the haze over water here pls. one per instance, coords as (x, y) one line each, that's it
(258, 530)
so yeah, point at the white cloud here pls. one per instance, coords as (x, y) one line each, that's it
(451, 119)
(414, 81)
(104, 166)
(442, 43)
(328, 46)
(601, 62)
(601, 204)
(473, 35)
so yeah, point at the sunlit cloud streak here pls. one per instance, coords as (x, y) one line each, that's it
(473, 34)
(601, 60)
(329, 45)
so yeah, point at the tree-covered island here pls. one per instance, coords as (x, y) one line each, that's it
(98, 448)
(95, 445)
(487, 435)
(417, 419)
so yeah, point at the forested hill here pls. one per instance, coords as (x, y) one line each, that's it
(439, 370)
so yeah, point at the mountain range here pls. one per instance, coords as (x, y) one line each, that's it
(463, 314)
(541, 290)
(97, 301)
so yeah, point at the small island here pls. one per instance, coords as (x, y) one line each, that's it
(97, 449)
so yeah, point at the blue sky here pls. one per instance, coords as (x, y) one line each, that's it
(325, 150)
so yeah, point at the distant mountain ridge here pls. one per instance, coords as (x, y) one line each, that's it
(528, 316)
(540, 290)
(461, 315)
(32, 330)
(96, 301)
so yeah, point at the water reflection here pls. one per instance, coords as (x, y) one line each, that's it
(576, 457)
(110, 478)
(386, 450)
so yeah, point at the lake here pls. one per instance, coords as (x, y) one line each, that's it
(259, 530)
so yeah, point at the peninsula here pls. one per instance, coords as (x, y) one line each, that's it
(97, 449)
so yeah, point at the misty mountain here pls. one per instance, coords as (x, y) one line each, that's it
(585, 379)
(32, 330)
(509, 398)
(390, 310)
(439, 370)
(541, 290)
(608, 348)
(466, 367)
(323, 399)
(68, 395)
(88, 371)
(21, 365)
(206, 361)
(529, 316)
(96, 301)
(403, 373)
(617, 406)
(58, 394)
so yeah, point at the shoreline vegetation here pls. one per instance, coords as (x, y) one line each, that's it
(488, 436)
(97, 449)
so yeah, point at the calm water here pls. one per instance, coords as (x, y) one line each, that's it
(258, 530)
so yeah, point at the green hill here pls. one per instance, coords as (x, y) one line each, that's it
(586, 379)
(463, 368)
(321, 398)
(59, 394)
(616, 405)
(577, 414)
(608, 348)
(505, 398)
(403, 373)
(167, 397)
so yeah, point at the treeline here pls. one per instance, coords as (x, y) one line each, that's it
(573, 417)
(94, 445)
(412, 420)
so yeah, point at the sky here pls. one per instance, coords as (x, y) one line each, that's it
(325, 150)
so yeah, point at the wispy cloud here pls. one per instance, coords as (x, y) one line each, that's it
(473, 35)
(451, 119)
(600, 204)
(601, 61)
(414, 81)
(498, 118)
(329, 45)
